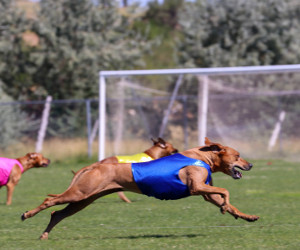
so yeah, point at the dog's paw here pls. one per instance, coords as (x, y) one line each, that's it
(252, 218)
(23, 216)
(44, 236)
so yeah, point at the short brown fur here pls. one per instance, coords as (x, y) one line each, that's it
(97, 180)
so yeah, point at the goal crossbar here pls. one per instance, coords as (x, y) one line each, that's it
(206, 71)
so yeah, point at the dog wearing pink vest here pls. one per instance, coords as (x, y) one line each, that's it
(11, 170)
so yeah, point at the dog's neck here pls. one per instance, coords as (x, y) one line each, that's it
(24, 163)
(208, 157)
(156, 152)
(213, 160)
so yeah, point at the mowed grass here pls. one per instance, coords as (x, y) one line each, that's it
(270, 190)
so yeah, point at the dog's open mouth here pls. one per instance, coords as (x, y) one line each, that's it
(45, 164)
(235, 173)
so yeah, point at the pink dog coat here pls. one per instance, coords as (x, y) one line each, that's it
(6, 166)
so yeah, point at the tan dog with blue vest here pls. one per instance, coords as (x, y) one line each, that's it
(171, 177)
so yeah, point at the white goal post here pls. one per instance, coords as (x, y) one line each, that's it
(193, 71)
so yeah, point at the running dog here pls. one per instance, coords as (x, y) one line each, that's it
(171, 177)
(12, 169)
(160, 149)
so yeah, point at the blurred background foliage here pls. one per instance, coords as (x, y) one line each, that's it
(57, 48)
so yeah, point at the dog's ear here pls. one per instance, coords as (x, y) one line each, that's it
(207, 141)
(154, 141)
(215, 148)
(212, 146)
(161, 140)
(32, 155)
(161, 143)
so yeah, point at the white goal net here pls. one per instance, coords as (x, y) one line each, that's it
(253, 109)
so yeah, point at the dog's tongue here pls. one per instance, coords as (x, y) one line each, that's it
(237, 174)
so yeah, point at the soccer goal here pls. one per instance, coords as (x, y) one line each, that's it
(247, 107)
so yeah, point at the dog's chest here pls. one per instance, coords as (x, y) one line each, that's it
(6, 165)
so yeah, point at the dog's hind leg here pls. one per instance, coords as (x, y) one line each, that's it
(63, 198)
(123, 197)
(57, 216)
(85, 184)
(72, 208)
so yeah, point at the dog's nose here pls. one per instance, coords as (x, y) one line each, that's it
(250, 165)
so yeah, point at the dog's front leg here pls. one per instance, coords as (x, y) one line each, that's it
(216, 195)
(206, 190)
(13, 181)
(10, 189)
(219, 201)
(196, 183)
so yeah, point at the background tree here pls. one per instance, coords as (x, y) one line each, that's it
(79, 39)
(16, 64)
(238, 33)
(76, 39)
(61, 52)
(165, 13)
(14, 122)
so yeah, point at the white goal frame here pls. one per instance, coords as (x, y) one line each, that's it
(193, 71)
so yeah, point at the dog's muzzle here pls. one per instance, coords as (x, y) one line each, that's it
(45, 164)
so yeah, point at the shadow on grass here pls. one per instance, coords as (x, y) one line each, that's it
(175, 236)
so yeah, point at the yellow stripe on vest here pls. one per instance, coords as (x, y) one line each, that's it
(142, 157)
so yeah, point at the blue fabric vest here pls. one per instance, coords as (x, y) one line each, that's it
(159, 178)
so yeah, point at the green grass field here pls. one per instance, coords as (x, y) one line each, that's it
(270, 190)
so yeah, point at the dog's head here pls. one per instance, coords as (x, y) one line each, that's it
(36, 160)
(166, 146)
(228, 160)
